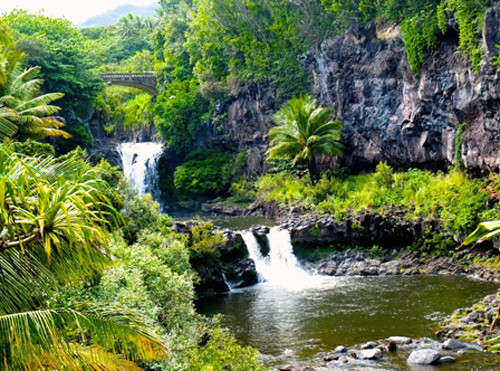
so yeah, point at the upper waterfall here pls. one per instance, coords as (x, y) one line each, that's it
(140, 165)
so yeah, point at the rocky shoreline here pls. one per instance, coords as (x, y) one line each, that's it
(399, 262)
(416, 353)
(473, 324)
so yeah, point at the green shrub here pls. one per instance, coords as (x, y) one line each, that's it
(243, 191)
(144, 279)
(222, 352)
(33, 148)
(205, 244)
(384, 177)
(139, 212)
(204, 172)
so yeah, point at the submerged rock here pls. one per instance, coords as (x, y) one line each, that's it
(447, 359)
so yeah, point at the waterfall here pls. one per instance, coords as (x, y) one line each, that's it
(228, 284)
(140, 165)
(280, 267)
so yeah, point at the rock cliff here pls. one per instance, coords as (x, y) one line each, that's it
(390, 114)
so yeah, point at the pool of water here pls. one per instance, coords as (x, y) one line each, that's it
(292, 326)
(236, 223)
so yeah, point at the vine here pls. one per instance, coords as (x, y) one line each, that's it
(419, 36)
(470, 16)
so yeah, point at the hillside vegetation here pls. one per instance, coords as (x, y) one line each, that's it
(95, 276)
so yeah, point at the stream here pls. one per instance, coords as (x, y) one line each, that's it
(293, 315)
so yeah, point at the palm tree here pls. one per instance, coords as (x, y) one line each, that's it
(22, 108)
(30, 112)
(130, 24)
(304, 130)
(53, 231)
(7, 127)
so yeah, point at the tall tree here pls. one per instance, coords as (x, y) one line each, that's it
(303, 130)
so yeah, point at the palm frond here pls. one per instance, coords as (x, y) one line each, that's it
(19, 93)
(302, 129)
(53, 228)
(484, 231)
(7, 126)
(41, 338)
(41, 101)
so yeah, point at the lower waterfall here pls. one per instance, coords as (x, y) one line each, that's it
(140, 165)
(280, 267)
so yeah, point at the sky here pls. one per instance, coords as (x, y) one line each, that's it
(74, 11)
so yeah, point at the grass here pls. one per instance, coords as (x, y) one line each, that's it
(454, 199)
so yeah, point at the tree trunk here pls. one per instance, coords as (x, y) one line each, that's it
(313, 170)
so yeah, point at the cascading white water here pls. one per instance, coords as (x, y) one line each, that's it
(254, 251)
(140, 165)
(280, 267)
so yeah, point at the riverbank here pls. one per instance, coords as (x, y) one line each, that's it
(373, 244)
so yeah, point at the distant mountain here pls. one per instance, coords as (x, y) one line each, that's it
(113, 16)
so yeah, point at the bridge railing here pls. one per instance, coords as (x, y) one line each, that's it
(126, 75)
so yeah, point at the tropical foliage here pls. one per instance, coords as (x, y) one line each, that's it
(303, 131)
(64, 57)
(453, 200)
(204, 172)
(483, 232)
(23, 110)
(54, 231)
(30, 112)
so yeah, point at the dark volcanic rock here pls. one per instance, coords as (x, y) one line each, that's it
(389, 230)
(215, 208)
(232, 269)
(390, 114)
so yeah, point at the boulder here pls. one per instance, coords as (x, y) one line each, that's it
(423, 357)
(369, 345)
(399, 340)
(452, 344)
(340, 349)
(331, 357)
(370, 354)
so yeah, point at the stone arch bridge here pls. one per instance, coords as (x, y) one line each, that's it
(145, 81)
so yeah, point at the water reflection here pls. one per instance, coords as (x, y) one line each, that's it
(294, 325)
